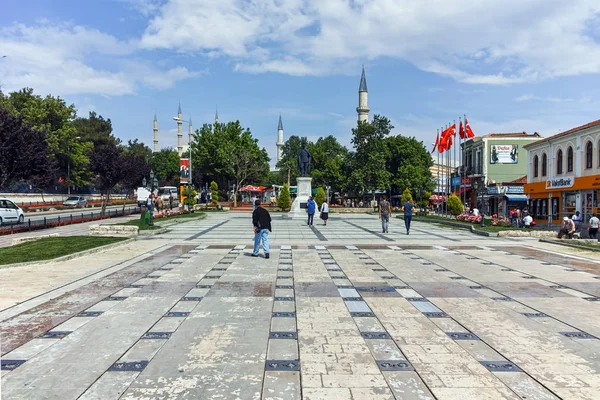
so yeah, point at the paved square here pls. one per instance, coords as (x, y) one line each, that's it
(341, 311)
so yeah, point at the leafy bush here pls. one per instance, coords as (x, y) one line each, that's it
(284, 200)
(190, 196)
(406, 196)
(214, 192)
(320, 197)
(455, 205)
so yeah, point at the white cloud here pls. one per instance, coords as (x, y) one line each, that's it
(494, 43)
(531, 97)
(58, 59)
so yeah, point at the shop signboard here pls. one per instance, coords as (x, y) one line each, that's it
(504, 154)
(560, 183)
(514, 190)
(493, 190)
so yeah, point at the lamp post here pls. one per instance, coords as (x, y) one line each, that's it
(480, 189)
(151, 180)
(68, 164)
(190, 150)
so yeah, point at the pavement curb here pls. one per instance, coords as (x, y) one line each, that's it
(70, 256)
(568, 244)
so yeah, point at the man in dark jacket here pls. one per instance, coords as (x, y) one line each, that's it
(261, 219)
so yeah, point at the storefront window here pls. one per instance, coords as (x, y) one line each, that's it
(569, 203)
(544, 208)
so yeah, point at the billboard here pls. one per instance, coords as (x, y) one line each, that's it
(504, 154)
(184, 170)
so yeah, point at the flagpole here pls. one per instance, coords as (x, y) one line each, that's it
(437, 209)
(462, 167)
(447, 169)
(466, 137)
(453, 144)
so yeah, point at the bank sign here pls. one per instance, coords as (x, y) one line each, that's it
(560, 183)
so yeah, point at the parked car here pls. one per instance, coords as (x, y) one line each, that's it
(75, 202)
(10, 212)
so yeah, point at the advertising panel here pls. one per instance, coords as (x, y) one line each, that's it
(184, 170)
(504, 154)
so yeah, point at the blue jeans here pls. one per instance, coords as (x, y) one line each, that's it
(407, 219)
(385, 222)
(310, 218)
(264, 235)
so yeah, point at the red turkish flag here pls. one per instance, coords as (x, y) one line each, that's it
(470, 133)
(437, 142)
(461, 131)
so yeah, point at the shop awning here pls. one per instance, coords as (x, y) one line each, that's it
(517, 197)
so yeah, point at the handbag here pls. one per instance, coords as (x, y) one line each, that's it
(321, 215)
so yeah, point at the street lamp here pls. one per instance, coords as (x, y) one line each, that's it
(68, 164)
(144, 182)
(151, 180)
(480, 188)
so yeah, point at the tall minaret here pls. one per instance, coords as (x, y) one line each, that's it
(363, 99)
(217, 116)
(155, 134)
(179, 132)
(279, 139)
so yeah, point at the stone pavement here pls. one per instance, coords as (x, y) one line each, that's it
(338, 312)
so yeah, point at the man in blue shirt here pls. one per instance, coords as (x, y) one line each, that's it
(408, 210)
(311, 207)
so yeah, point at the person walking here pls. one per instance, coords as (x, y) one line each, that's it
(593, 226)
(149, 207)
(324, 212)
(408, 211)
(261, 219)
(385, 210)
(171, 201)
(311, 207)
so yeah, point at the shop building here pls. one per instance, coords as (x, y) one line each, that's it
(493, 162)
(564, 174)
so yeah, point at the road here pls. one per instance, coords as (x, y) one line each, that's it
(75, 211)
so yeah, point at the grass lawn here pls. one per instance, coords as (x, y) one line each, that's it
(145, 227)
(487, 228)
(53, 247)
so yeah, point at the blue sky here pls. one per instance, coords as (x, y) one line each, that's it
(510, 66)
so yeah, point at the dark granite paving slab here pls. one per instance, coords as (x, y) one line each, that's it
(241, 289)
(316, 289)
(450, 289)
(525, 289)
(164, 289)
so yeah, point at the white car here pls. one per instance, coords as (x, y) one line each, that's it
(10, 212)
(75, 202)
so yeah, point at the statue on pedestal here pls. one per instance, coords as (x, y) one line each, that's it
(304, 160)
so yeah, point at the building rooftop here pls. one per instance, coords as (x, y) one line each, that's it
(579, 128)
(363, 82)
(513, 134)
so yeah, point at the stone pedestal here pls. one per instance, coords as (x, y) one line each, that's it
(298, 209)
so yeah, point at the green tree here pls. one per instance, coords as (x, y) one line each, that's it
(407, 196)
(284, 200)
(288, 165)
(368, 163)
(165, 164)
(55, 118)
(320, 197)
(229, 152)
(454, 205)
(214, 192)
(409, 164)
(328, 158)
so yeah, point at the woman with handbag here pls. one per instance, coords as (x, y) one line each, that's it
(324, 212)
